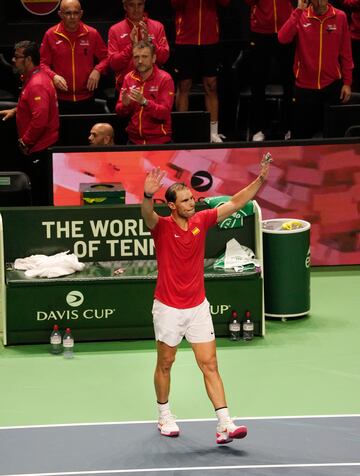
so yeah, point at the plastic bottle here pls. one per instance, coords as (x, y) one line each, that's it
(68, 344)
(248, 327)
(234, 326)
(55, 340)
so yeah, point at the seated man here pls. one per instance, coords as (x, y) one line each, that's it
(102, 133)
(147, 97)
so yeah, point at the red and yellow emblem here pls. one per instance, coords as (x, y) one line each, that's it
(195, 231)
(40, 7)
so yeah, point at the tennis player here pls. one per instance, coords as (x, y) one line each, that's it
(180, 307)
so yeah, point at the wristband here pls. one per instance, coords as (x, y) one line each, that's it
(148, 195)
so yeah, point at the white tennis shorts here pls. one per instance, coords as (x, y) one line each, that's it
(171, 324)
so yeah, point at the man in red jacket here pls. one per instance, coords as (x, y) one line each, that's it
(323, 62)
(354, 7)
(147, 96)
(70, 51)
(266, 19)
(37, 119)
(124, 35)
(197, 52)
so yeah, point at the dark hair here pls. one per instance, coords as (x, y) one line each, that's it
(145, 44)
(170, 194)
(30, 49)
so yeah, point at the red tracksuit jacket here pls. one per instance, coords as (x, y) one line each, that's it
(354, 5)
(149, 124)
(268, 16)
(37, 115)
(197, 21)
(73, 60)
(323, 47)
(120, 46)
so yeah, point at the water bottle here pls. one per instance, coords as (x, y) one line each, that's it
(248, 327)
(55, 340)
(68, 344)
(234, 326)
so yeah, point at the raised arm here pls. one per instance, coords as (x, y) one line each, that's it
(153, 184)
(238, 200)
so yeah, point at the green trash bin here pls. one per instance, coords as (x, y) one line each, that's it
(286, 254)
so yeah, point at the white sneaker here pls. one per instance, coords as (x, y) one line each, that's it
(167, 425)
(225, 433)
(258, 137)
(287, 135)
(217, 138)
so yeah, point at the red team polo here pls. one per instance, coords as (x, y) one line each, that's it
(180, 258)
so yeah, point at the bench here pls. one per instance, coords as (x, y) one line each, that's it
(96, 303)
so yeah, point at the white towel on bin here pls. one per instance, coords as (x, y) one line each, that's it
(42, 266)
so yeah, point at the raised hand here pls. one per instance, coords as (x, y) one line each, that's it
(153, 181)
(265, 165)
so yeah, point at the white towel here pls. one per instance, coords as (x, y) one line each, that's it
(42, 266)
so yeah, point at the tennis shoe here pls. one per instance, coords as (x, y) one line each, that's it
(227, 432)
(167, 425)
(217, 138)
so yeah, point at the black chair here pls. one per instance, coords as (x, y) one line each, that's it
(352, 131)
(15, 189)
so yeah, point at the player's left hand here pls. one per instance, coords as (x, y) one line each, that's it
(265, 165)
(345, 94)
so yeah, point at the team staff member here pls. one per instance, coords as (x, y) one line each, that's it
(197, 51)
(102, 133)
(180, 307)
(69, 52)
(354, 7)
(37, 118)
(147, 96)
(323, 61)
(124, 35)
(266, 19)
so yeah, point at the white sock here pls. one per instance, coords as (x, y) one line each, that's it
(214, 127)
(223, 415)
(164, 409)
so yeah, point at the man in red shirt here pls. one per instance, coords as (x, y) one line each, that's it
(147, 96)
(124, 35)
(37, 119)
(354, 7)
(197, 51)
(180, 306)
(70, 51)
(323, 62)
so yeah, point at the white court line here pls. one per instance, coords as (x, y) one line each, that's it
(193, 468)
(142, 422)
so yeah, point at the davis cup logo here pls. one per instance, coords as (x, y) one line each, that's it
(40, 7)
(75, 298)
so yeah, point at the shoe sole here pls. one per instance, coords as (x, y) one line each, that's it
(171, 434)
(238, 434)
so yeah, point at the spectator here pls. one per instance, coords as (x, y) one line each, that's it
(147, 96)
(323, 62)
(101, 133)
(37, 118)
(124, 35)
(267, 17)
(354, 7)
(197, 51)
(69, 52)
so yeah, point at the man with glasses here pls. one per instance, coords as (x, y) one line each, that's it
(74, 55)
(37, 119)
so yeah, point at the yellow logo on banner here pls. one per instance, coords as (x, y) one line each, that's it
(40, 7)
